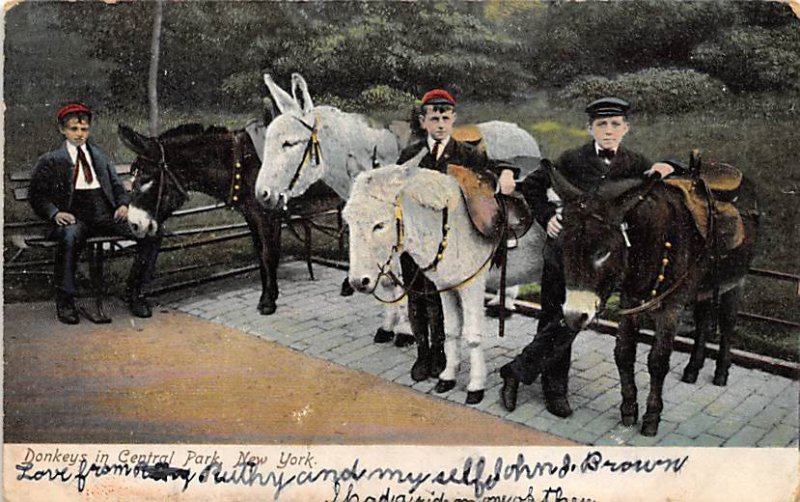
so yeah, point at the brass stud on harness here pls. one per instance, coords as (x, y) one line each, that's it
(238, 176)
(668, 245)
(235, 198)
(237, 165)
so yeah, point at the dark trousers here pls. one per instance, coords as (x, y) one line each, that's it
(95, 217)
(550, 351)
(425, 314)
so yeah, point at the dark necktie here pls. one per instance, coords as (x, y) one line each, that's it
(87, 171)
(606, 154)
(435, 151)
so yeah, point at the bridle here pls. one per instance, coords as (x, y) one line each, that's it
(313, 151)
(397, 250)
(164, 173)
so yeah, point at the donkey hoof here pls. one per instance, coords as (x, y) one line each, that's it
(630, 414)
(420, 370)
(689, 376)
(650, 426)
(443, 386)
(720, 379)
(383, 336)
(474, 396)
(267, 307)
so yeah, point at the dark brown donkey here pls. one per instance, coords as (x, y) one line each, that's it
(640, 238)
(214, 161)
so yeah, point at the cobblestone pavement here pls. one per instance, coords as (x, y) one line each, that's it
(756, 409)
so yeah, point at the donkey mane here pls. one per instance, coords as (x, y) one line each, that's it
(192, 129)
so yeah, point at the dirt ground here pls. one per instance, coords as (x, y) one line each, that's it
(177, 379)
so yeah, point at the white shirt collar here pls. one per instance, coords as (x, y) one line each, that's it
(597, 148)
(442, 143)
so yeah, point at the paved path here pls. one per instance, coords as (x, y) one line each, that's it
(756, 409)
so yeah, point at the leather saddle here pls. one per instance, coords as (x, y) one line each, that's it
(488, 211)
(722, 181)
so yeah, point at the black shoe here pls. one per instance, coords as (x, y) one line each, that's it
(421, 369)
(139, 307)
(404, 340)
(383, 336)
(438, 360)
(347, 289)
(558, 406)
(508, 394)
(66, 311)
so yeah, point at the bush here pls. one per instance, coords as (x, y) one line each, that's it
(754, 59)
(654, 91)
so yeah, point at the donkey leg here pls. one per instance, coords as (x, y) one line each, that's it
(702, 326)
(625, 356)
(471, 330)
(658, 367)
(453, 326)
(266, 243)
(729, 302)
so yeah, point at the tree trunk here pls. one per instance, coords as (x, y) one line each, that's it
(152, 81)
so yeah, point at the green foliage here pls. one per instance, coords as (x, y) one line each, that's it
(569, 39)
(753, 59)
(654, 90)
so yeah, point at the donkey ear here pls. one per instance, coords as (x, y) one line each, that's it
(298, 82)
(138, 143)
(284, 102)
(415, 160)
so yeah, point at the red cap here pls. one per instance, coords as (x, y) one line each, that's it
(73, 108)
(438, 97)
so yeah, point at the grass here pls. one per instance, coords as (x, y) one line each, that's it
(761, 141)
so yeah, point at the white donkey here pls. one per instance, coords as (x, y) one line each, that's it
(305, 144)
(422, 212)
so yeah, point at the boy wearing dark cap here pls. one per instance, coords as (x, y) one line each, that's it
(587, 167)
(77, 189)
(437, 116)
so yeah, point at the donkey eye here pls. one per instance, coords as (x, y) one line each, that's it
(288, 144)
(378, 227)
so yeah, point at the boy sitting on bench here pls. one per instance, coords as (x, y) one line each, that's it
(76, 187)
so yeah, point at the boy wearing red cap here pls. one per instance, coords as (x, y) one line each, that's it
(76, 187)
(587, 167)
(436, 117)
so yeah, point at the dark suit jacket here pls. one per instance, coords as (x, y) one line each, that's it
(51, 182)
(455, 152)
(583, 168)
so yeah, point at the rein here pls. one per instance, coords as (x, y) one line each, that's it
(313, 151)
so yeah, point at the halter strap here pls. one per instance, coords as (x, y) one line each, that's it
(312, 152)
(164, 171)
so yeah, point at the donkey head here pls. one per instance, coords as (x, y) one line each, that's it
(374, 227)
(594, 244)
(292, 157)
(157, 191)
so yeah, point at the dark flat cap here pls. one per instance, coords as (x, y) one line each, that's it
(608, 107)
